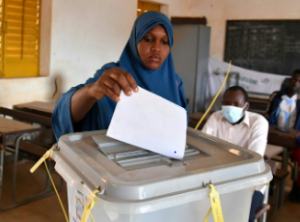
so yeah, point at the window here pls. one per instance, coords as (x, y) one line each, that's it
(147, 6)
(19, 38)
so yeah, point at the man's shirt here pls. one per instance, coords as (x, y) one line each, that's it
(251, 133)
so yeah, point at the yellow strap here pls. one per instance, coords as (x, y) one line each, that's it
(216, 96)
(60, 202)
(207, 215)
(215, 202)
(42, 159)
(37, 164)
(92, 217)
(89, 206)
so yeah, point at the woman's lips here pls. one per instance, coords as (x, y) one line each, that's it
(155, 58)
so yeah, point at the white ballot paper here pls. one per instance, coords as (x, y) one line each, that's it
(151, 122)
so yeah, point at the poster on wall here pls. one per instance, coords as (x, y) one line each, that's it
(252, 81)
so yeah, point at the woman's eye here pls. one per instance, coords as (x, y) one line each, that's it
(165, 42)
(148, 39)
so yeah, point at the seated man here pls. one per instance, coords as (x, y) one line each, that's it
(284, 112)
(238, 126)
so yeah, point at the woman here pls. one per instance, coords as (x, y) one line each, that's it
(146, 61)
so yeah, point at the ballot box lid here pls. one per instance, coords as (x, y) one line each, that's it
(122, 172)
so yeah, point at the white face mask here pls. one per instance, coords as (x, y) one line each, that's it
(232, 113)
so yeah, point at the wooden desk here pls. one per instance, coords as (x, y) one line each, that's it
(288, 142)
(278, 138)
(10, 127)
(13, 127)
(195, 117)
(37, 107)
(46, 136)
(259, 103)
(26, 116)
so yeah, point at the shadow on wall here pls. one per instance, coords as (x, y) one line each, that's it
(56, 86)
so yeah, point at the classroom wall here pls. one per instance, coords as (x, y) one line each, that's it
(18, 90)
(79, 36)
(218, 11)
(87, 34)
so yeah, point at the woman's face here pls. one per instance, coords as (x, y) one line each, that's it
(154, 47)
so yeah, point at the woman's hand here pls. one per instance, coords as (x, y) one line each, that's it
(110, 84)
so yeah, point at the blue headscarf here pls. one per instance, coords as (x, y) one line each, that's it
(162, 81)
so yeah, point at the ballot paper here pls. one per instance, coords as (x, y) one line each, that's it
(150, 122)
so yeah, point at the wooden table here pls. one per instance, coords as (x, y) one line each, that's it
(258, 103)
(195, 117)
(10, 127)
(36, 112)
(279, 138)
(13, 127)
(288, 142)
(37, 107)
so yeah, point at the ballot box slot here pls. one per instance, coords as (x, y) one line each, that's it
(138, 160)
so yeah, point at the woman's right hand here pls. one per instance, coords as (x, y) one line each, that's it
(110, 84)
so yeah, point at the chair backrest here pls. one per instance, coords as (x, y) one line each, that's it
(26, 116)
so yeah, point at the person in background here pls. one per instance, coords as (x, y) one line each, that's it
(146, 61)
(238, 126)
(284, 112)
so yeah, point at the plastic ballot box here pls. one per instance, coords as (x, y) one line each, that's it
(137, 185)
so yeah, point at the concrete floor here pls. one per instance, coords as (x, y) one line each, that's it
(48, 209)
(289, 213)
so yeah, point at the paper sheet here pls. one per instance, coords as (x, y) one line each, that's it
(150, 122)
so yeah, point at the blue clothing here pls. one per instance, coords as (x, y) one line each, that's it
(162, 81)
(274, 111)
(288, 114)
(257, 200)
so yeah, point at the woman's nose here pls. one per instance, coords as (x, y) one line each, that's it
(156, 47)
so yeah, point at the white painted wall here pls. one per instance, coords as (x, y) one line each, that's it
(86, 35)
(79, 36)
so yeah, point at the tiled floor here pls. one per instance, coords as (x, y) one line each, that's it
(48, 210)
